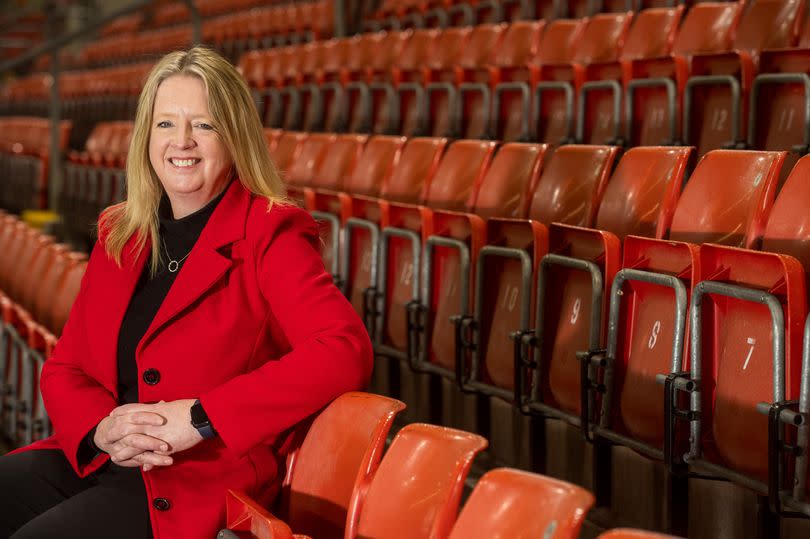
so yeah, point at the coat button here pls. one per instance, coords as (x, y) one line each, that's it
(151, 376)
(161, 504)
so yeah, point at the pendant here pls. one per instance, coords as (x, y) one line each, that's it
(173, 265)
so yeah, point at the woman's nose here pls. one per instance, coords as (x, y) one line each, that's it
(182, 136)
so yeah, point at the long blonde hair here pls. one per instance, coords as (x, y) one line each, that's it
(236, 120)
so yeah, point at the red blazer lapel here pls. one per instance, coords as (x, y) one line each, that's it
(208, 261)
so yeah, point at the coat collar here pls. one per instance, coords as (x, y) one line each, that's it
(207, 262)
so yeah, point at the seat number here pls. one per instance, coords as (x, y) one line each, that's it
(654, 335)
(575, 311)
(407, 274)
(719, 118)
(786, 119)
(751, 342)
(510, 298)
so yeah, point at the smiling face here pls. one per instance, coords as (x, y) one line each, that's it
(185, 150)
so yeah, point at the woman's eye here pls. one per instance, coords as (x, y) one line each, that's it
(207, 127)
(164, 123)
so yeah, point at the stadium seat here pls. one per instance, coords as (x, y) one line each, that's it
(716, 93)
(417, 165)
(521, 505)
(343, 445)
(423, 470)
(655, 85)
(373, 170)
(600, 109)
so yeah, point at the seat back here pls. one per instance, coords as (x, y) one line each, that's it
(379, 159)
(484, 40)
(415, 54)
(413, 174)
(557, 45)
(641, 195)
(768, 24)
(707, 28)
(505, 187)
(424, 471)
(287, 149)
(512, 503)
(337, 163)
(572, 184)
(343, 446)
(705, 212)
(521, 42)
(445, 52)
(652, 34)
(602, 38)
(301, 170)
(788, 228)
(457, 180)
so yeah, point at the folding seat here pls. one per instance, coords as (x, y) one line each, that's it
(430, 486)
(450, 253)
(716, 93)
(512, 503)
(600, 107)
(361, 215)
(552, 110)
(272, 137)
(344, 444)
(463, 78)
(454, 186)
(337, 161)
(374, 168)
(655, 85)
(568, 191)
(408, 78)
(512, 100)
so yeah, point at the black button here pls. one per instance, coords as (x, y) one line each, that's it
(161, 504)
(151, 376)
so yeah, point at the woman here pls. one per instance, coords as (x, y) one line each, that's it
(205, 328)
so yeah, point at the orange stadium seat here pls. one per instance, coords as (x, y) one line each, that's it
(451, 251)
(655, 85)
(430, 486)
(512, 503)
(343, 445)
(568, 191)
(716, 93)
(362, 217)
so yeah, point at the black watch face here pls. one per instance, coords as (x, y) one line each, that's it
(198, 417)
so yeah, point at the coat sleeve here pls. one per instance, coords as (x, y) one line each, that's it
(330, 349)
(76, 402)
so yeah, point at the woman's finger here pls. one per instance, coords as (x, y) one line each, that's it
(144, 442)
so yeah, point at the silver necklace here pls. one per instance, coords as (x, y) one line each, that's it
(174, 265)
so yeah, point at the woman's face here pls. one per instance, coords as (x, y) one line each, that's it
(185, 149)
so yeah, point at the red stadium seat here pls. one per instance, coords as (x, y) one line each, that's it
(430, 486)
(716, 94)
(655, 85)
(343, 445)
(287, 149)
(512, 503)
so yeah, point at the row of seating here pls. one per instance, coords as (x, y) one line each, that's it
(39, 280)
(24, 161)
(414, 228)
(339, 464)
(396, 14)
(232, 34)
(611, 79)
(93, 180)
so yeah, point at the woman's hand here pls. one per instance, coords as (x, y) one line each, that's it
(123, 435)
(176, 430)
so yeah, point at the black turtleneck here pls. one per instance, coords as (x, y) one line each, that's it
(178, 237)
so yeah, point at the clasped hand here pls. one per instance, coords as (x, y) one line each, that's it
(147, 434)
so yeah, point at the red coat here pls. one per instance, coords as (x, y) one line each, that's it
(253, 326)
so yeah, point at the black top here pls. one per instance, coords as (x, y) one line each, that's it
(178, 238)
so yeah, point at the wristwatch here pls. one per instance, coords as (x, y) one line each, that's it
(200, 421)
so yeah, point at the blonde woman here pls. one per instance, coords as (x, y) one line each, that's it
(205, 328)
